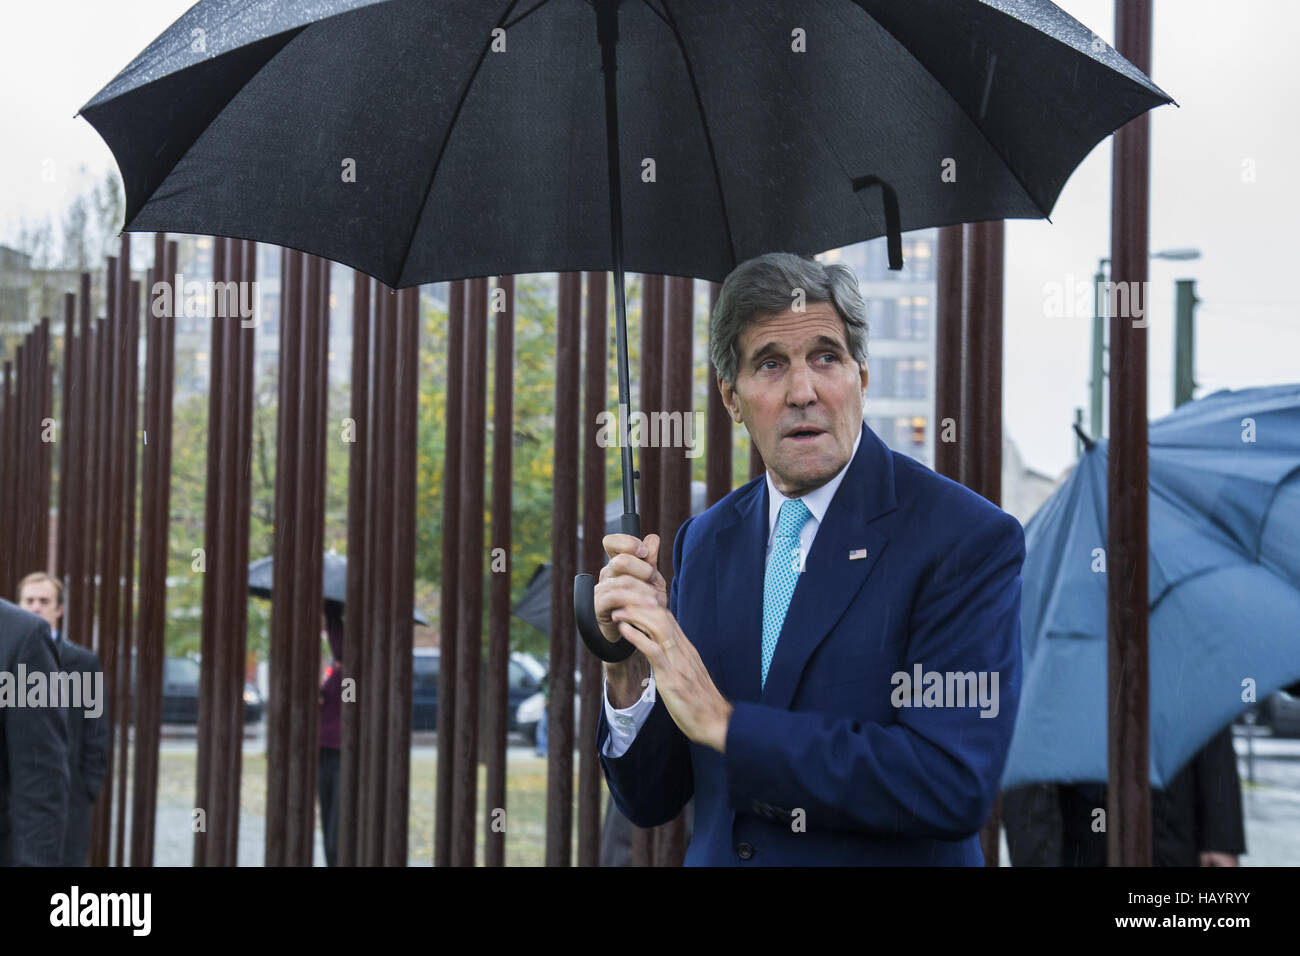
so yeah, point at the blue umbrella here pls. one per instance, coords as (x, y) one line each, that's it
(1224, 588)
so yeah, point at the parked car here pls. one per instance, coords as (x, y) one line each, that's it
(180, 699)
(525, 680)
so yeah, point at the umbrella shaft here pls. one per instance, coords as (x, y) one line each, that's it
(607, 34)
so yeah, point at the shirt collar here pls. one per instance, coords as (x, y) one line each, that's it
(817, 500)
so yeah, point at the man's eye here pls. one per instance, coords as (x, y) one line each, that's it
(767, 363)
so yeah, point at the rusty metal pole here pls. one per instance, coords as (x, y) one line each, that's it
(8, 479)
(305, 626)
(564, 565)
(1128, 812)
(595, 401)
(401, 605)
(279, 740)
(225, 751)
(674, 479)
(370, 815)
(308, 541)
(651, 400)
(982, 401)
(153, 568)
(355, 616)
(211, 510)
(67, 380)
(132, 450)
(498, 720)
(78, 476)
(652, 385)
(114, 516)
(450, 585)
(470, 613)
(719, 463)
(244, 272)
(46, 370)
(378, 661)
(949, 426)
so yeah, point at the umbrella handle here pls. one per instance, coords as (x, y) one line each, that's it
(584, 609)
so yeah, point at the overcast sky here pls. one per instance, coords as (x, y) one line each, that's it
(1231, 67)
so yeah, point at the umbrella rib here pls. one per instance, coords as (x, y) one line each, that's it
(527, 13)
(669, 19)
(446, 138)
(979, 129)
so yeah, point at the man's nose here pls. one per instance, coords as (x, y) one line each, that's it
(802, 390)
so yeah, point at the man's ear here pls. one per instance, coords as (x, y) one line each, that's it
(728, 398)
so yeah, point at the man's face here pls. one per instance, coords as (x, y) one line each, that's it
(42, 599)
(796, 373)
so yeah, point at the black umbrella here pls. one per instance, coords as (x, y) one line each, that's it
(334, 582)
(420, 142)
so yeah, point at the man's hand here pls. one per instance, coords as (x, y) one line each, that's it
(631, 575)
(681, 678)
(1214, 858)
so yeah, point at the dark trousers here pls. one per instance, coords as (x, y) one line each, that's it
(327, 785)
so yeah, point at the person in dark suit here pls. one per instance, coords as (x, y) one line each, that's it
(42, 594)
(33, 748)
(836, 672)
(1196, 820)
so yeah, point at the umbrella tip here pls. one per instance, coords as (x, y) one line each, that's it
(1088, 441)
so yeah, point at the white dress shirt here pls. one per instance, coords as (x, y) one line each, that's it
(624, 723)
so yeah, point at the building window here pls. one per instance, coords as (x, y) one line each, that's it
(918, 259)
(913, 321)
(882, 314)
(913, 378)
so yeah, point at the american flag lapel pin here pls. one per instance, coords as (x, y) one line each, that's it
(858, 555)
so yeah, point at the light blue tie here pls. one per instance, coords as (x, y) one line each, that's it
(782, 575)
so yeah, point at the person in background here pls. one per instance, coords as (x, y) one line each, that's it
(1195, 821)
(87, 736)
(33, 751)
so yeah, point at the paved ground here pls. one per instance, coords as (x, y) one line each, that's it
(1270, 800)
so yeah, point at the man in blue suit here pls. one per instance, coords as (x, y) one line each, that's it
(836, 672)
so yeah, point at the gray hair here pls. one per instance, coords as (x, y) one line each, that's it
(766, 285)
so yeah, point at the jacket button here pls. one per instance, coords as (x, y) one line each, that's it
(744, 851)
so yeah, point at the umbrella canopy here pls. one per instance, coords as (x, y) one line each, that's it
(535, 606)
(420, 142)
(335, 582)
(1224, 588)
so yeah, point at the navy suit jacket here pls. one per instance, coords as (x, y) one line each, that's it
(820, 766)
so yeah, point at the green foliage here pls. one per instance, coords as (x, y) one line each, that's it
(188, 496)
(532, 466)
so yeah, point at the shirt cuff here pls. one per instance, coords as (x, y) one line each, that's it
(624, 724)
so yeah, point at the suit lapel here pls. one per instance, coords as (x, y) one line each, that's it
(831, 578)
(738, 550)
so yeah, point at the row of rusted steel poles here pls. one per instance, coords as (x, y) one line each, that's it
(155, 522)
(224, 634)
(375, 760)
(297, 561)
(100, 443)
